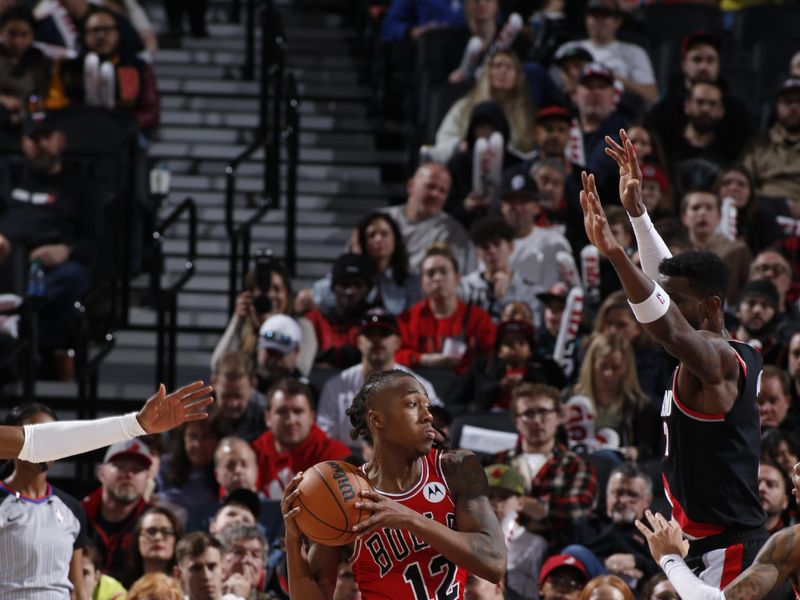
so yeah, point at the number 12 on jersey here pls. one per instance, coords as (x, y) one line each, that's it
(445, 591)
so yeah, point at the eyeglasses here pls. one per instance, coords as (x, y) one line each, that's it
(775, 269)
(531, 414)
(152, 532)
(101, 30)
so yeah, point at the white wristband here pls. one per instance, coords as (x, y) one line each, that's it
(51, 441)
(652, 249)
(655, 307)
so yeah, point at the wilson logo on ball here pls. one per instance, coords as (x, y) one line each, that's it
(345, 489)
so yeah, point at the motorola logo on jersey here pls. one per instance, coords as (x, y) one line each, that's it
(434, 492)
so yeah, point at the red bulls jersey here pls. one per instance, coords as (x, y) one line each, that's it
(393, 563)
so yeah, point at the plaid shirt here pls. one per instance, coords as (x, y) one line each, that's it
(566, 484)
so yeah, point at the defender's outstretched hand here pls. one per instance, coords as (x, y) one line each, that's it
(666, 537)
(594, 219)
(163, 411)
(630, 173)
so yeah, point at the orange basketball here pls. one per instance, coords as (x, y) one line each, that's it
(328, 493)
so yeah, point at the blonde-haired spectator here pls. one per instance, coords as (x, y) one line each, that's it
(503, 81)
(155, 586)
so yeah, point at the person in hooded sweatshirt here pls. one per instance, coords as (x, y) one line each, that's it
(464, 203)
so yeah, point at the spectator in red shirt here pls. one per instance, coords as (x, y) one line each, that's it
(114, 508)
(441, 331)
(337, 328)
(293, 443)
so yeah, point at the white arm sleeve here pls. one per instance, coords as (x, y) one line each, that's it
(688, 585)
(652, 249)
(59, 439)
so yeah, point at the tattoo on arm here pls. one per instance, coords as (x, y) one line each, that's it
(474, 514)
(775, 562)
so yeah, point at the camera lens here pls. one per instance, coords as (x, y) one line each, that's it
(262, 304)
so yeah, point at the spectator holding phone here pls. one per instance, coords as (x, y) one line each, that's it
(268, 291)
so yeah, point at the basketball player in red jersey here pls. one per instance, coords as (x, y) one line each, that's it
(431, 520)
(710, 416)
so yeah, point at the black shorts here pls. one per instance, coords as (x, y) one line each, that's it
(719, 560)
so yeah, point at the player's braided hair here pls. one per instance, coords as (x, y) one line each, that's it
(358, 409)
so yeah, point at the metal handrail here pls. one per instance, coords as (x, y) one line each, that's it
(291, 135)
(240, 231)
(268, 137)
(166, 299)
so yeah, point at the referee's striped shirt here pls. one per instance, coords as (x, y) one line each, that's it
(37, 539)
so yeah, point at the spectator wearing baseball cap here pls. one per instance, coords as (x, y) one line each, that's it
(596, 101)
(774, 159)
(534, 246)
(629, 62)
(562, 577)
(568, 63)
(50, 218)
(525, 549)
(378, 340)
(337, 328)
(114, 508)
(278, 347)
(488, 384)
(378, 237)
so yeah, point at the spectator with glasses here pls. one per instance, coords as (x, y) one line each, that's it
(243, 560)
(563, 487)
(771, 264)
(154, 539)
(134, 80)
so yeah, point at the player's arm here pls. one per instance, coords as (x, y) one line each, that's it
(51, 441)
(779, 557)
(707, 357)
(477, 545)
(312, 575)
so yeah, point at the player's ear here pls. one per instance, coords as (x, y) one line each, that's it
(709, 306)
(374, 419)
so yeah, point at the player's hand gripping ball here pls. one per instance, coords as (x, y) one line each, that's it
(327, 494)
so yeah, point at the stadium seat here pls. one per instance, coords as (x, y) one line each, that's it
(430, 69)
(774, 22)
(439, 102)
(673, 21)
(770, 59)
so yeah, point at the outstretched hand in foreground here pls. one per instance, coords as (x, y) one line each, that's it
(630, 173)
(163, 411)
(665, 537)
(594, 218)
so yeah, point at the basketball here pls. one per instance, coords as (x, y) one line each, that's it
(328, 493)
